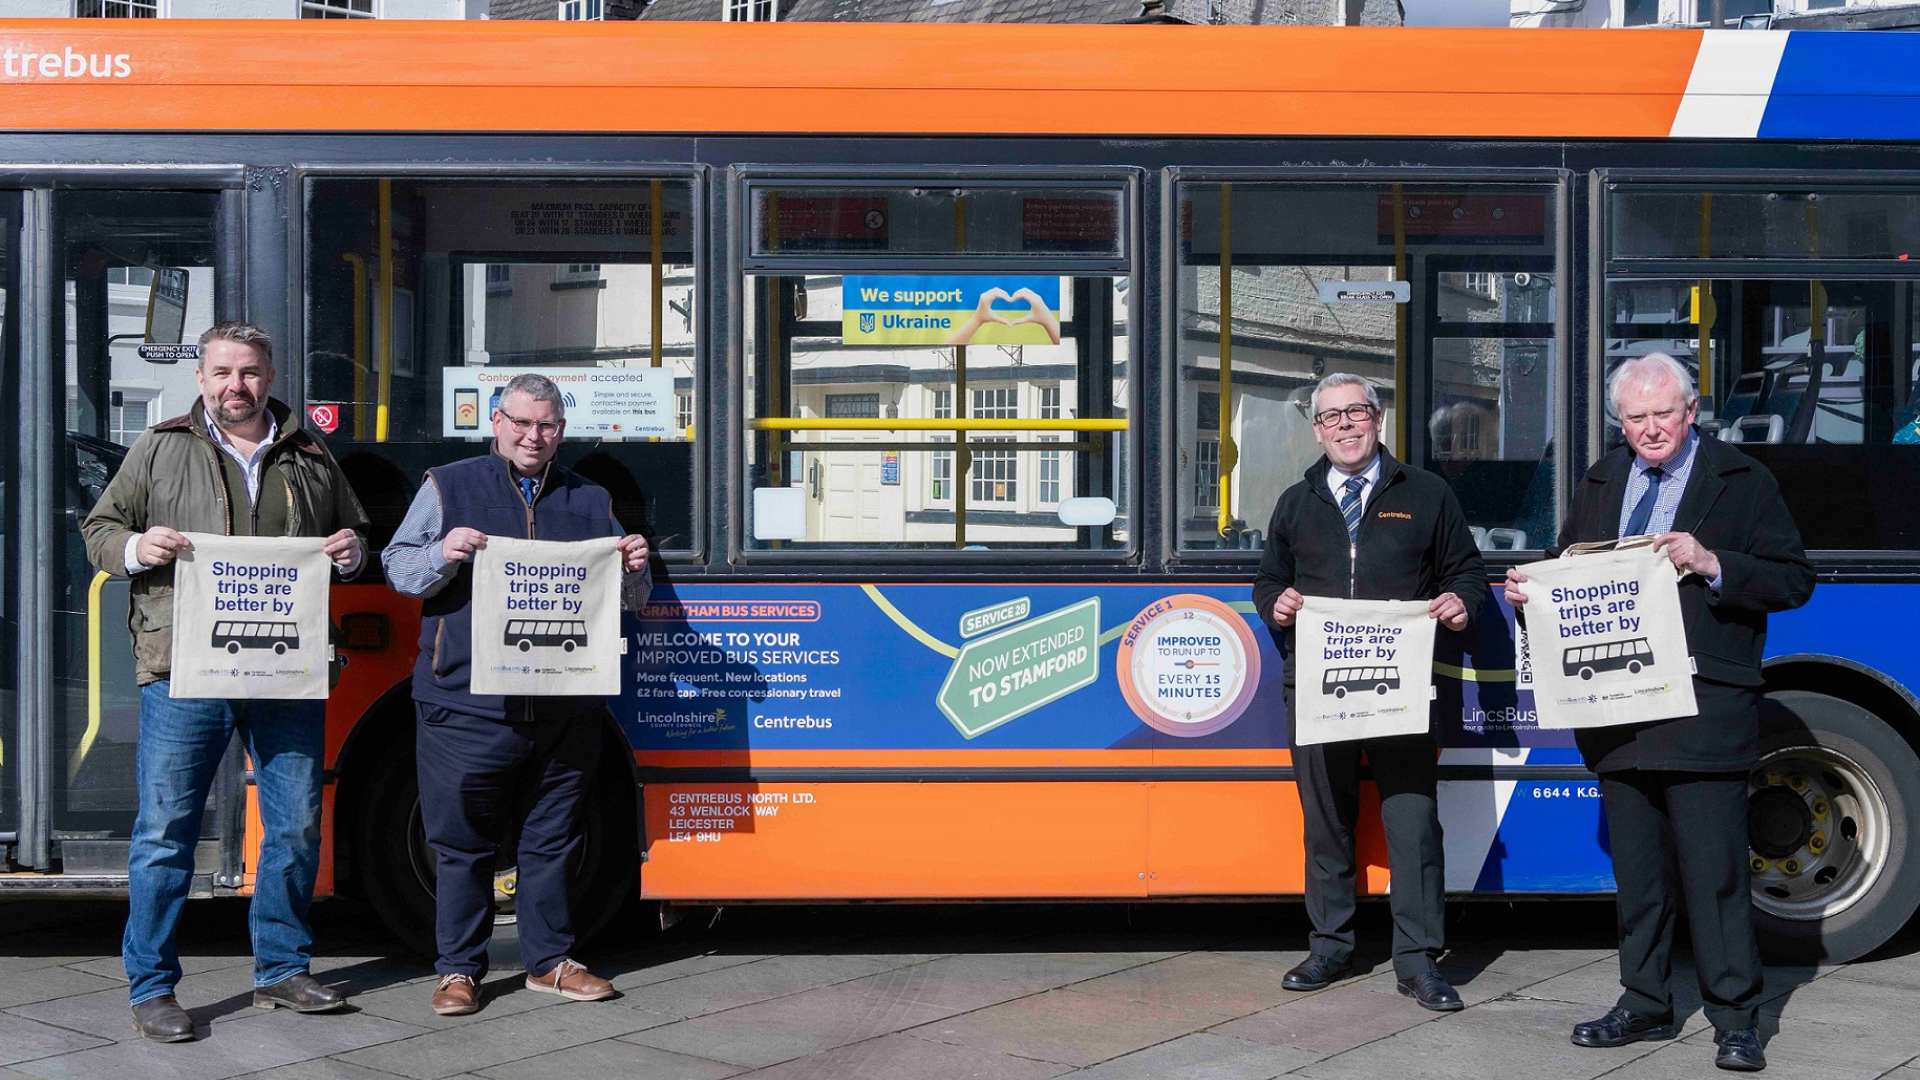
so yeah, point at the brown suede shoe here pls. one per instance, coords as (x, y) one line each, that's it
(456, 996)
(571, 980)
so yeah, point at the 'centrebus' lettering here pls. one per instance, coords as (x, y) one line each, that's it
(70, 63)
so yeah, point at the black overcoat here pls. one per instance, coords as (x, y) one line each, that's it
(1732, 506)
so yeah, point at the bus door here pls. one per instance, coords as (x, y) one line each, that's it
(10, 726)
(139, 277)
(1444, 297)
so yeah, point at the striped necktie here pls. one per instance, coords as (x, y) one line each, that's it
(1350, 506)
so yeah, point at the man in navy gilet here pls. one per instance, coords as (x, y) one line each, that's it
(483, 757)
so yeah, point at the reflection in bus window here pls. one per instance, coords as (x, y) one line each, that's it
(1281, 284)
(1042, 349)
(424, 296)
(1813, 378)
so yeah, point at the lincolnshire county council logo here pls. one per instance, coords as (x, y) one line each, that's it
(866, 322)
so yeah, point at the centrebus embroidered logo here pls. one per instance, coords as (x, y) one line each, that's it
(21, 62)
(1188, 665)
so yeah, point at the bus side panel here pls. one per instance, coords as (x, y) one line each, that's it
(1231, 839)
(902, 841)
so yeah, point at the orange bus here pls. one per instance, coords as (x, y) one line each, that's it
(953, 372)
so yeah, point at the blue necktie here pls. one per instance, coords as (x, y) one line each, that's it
(1350, 506)
(528, 485)
(1643, 510)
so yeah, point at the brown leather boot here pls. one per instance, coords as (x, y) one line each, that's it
(456, 996)
(571, 980)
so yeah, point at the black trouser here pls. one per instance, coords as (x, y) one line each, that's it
(1683, 834)
(1405, 769)
(476, 776)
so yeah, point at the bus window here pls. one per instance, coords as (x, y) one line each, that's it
(852, 377)
(425, 296)
(1444, 299)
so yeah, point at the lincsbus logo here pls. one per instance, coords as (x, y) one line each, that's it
(20, 62)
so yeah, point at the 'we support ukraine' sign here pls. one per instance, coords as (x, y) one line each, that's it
(898, 309)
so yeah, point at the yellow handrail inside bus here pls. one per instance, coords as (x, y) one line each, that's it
(80, 752)
(385, 342)
(1229, 449)
(919, 423)
(359, 343)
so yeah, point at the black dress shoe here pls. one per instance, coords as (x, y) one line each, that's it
(162, 1020)
(1739, 1050)
(1620, 1027)
(302, 993)
(1316, 972)
(1432, 990)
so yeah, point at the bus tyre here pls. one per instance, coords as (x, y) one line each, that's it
(396, 867)
(1830, 812)
(1339, 691)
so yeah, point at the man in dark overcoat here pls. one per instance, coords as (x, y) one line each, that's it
(1675, 791)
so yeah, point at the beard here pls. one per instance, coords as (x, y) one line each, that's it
(232, 412)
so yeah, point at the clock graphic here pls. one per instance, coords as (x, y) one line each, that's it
(1188, 665)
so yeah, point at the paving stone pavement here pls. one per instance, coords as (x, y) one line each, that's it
(982, 992)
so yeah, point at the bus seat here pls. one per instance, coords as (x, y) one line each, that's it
(1506, 540)
(1761, 428)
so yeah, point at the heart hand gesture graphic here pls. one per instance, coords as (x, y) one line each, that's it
(1037, 313)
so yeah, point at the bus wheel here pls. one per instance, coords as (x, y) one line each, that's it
(397, 868)
(1633, 667)
(1835, 862)
(1586, 673)
(280, 648)
(1339, 691)
(525, 645)
(1381, 689)
(233, 648)
(567, 645)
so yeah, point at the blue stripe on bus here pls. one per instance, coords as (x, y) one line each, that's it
(1845, 86)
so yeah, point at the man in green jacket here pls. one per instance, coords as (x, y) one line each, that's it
(237, 463)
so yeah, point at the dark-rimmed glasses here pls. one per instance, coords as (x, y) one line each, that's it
(1359, 414)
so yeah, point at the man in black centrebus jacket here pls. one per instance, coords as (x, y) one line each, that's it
(1675, 791)
(1364, 526)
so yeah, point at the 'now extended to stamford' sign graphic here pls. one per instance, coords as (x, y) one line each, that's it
(949, 310)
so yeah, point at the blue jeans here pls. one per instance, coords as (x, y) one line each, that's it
(181, 744)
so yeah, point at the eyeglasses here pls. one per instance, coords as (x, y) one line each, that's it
(1359, 414)
(547, 428)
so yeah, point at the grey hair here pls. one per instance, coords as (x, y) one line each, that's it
(240, 333)
(1653, 369)
(537, 387)
(1342, 378)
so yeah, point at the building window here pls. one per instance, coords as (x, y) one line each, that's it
(1049, 403)
(994, 477)
(1050, 472)
(499, 279)
(853, 406)
(1207, 402)
(1206, 474)
(942, 474)
(336, 9)
(683, 411)
(582, 10)
(1639, 12)
(130, 275)
(117, 9)
(752, 10)
(578, 274)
